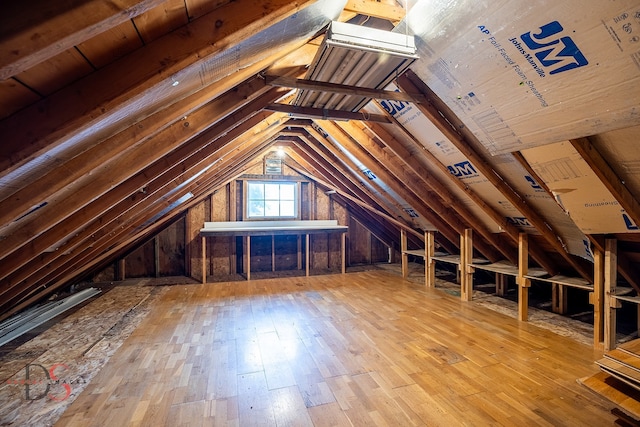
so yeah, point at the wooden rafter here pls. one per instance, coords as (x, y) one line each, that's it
(64, 28)
(130, 230)
(411, 83)
(438, 195)
(293, 83)
(608, 177)
(389, 10)
(322, 113)
(388, 235)
(139, 84)
(113, 173)
(511, 230)
(346, 177)
(449, 227)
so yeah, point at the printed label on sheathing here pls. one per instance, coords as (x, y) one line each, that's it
(534, 184)
(542, 52)
(624, 29)
(628, 222)
(519, 221)
(556, 52)
(412, 213)
(369, 174)
(463, 170)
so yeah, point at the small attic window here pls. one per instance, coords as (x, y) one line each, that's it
(271, 199)
(272, 166)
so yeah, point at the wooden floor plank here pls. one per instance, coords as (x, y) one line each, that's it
(363, 348)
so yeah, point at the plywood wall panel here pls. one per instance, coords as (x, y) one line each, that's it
(379, 251)
(286, 252)
(220, 247)
(359, 243)
(195, 218)
(140, 262)
(171, 242)
(261, 253)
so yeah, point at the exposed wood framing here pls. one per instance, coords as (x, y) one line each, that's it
(466, 271)
(293, 83)
(322, 113)
(389, 10)
(511, 230)
(68, 24)
(143, 212)
(409, 82)
(141, 84)
(523, 282)
(596, 298)
(608, 177)
(69, 211)
(610, 303)
(427, 181)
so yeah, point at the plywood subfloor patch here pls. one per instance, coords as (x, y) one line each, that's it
(68, 355)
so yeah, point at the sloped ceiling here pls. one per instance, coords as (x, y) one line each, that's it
(116, 118)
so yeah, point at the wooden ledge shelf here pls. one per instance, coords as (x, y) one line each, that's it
(270, 228)
(509, 269)
(622, 294)
(574, 282)
(416, 252)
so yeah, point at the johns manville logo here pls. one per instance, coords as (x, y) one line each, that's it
(550, 50)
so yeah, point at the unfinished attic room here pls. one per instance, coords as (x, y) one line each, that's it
(320, 213)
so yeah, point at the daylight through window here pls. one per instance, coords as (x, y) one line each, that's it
(271, 199)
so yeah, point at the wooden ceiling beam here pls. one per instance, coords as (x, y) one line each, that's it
(43, 28)
(422, 179)
(96, 219)
(442, 118)
(389, 235)
(425, 203)
(98, 222)
(112, 173)
(349, 182)
(101, 250)
(399, 188)
(139, 84)
(322, 113)
(608, 177)
(68, 168)
(511, 230)
(353, 171)
(335, 172)
(293, 83)
(389, 9)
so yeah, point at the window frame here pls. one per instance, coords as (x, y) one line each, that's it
(296, 201)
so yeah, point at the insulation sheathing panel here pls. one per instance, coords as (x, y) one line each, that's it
(522, 74)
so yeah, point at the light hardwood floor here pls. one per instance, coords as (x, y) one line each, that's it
(363, 348)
